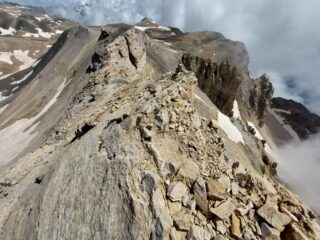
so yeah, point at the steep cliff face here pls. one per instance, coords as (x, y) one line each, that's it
(224, 83)
(141, 146)
(297, 116)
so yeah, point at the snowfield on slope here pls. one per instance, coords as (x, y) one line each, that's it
(230, 129)
(16, 137)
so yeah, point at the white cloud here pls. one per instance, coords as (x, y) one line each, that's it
(282, 36)
(299, 166)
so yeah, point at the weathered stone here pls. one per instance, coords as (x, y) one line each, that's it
(182, 221)
(234, 188)
(216, 190)
(162, 119)
(174, 207)
(176, 191)
(198, 233)
(177, 235)
(275, 218)
(225, 181)
(221, 227)
(200, 195)
(269, 233)
(224, 210)
(293, 232)
(235, 226)
(189, 170)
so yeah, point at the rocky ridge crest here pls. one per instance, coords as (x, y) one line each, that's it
(140, 153)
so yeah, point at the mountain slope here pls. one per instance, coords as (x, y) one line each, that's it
(145, 134)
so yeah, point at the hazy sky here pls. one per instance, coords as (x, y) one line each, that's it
(282, 36)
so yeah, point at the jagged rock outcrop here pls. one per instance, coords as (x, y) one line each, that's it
(297, 116)
(260, 97)
(219, 81)
(140, 152)
(224, 83)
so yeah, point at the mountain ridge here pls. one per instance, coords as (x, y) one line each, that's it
(146, 132)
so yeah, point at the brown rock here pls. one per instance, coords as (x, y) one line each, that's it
(293, 232)
(177, 235)
(200, 195)
(198, 233)
(182, 221)
(224, 210)
(275, 218)
(269, 233)
(235, 226)
(176, 191)
(216, 190)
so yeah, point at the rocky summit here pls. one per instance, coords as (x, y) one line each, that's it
(138, 132)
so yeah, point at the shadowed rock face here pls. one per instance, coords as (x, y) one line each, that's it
(137, 147)
(260, 97)
(224, 83)
(302, 121)
(219, 81)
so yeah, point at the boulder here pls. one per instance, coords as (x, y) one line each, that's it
(293, 232)
(198, 233)
(200, 195)
(182, 221)
(235, 226)
(272, 216)
(224, 210)
(176, 191)
(216, 190)
(269, 233)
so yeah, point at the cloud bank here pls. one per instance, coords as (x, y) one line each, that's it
(282, 36)
(299, 167)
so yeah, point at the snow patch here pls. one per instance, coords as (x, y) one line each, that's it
(230, 129)
(257, 133)
(59, 31)
(23, 79)
(3, 97)
(164, 28)
(22, 56)
(5, 32)
(40, 33)
(141, 28)
(6, 57)
(235, 110)
(281, 110)
(16, 137)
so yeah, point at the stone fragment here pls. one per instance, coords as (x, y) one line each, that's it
(189, 170)
(176, 191)
(293, 232)
(221, 227)
(269, 233)
(235, 226)
(198, 233)
(172, 117)
(225, 181)
(275, 218)
(174, 207)
(216, 190)
(224, 210)
(162, 119)
(177, 235)
(200, 195)
(234, 189)
(182, 221)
